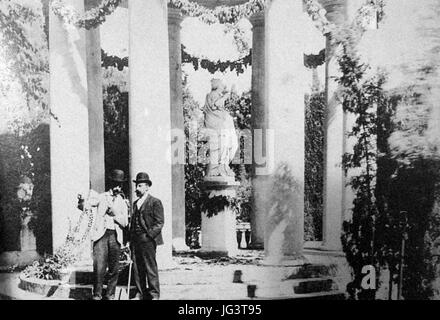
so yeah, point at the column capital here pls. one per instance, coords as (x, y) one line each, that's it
(257, 19)
(175, 16)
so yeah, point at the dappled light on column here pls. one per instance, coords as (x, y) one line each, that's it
(284, 232)
(69, 129)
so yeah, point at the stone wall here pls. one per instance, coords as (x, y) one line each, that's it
(12, 168)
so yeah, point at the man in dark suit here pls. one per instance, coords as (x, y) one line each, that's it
(146, 234)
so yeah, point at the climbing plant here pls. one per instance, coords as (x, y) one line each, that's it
(92, 18)
(361, 96)
(220, 14)
(24, 140)
(395, 179)
(314, 166)
(24, 66)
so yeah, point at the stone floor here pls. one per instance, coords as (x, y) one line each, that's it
(198, 277)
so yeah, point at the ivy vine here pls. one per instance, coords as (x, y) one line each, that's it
(221, 14)
(216, 204)
(90, 19)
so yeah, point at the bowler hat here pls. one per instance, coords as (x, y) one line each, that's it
(143, 177)
(117, 175)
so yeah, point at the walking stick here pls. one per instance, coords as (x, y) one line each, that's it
(402, 255)
(130, 264)
(129, 279)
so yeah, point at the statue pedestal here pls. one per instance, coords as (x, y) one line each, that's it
(219, 231)
(27, 237)
(28, 247)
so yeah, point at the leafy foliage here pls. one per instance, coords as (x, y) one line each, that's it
(24, 66)
(407, 192)
(48, 269)
(51, 266)
(361, 97)
(116, 144)
(29, 156)
(314, 166)
(397, 187)
(90, 19)
(238, 65)
(221, 14)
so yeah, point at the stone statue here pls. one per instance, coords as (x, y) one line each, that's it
(220, 131)
(24, 194)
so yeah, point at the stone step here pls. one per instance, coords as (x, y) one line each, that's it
(252, 274)
(298, 286)
(330, 295)
(315, 285)
(85, 276)
(313, 271)
(290, 289)
(56, 290)
(240, 292)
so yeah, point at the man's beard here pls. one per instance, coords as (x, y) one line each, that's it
(138, 194)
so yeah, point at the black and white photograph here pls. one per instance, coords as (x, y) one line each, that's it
(219, 150)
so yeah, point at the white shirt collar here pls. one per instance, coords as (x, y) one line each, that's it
(141, 200)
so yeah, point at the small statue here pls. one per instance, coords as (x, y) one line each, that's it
(220, 131)
(24, 194)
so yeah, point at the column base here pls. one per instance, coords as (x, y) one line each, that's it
(164, 258)
(331, 247)
(212, 253)
(285, 261)
(256, 246)
(179, 245)
(219, 235)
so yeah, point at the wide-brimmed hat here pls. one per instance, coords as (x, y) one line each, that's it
(143, 177)
(117, 176)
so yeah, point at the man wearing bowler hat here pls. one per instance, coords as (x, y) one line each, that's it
(146, 234)
(107, 235)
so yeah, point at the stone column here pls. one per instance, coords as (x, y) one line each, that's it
(258, 123)
(285, 71)
(149, 115)
(69, 125)
(95, 103)
(177, 125)
(334, 141)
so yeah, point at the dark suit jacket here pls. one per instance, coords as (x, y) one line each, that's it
(151, 218)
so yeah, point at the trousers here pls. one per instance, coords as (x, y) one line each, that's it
(145, 266)
(106, 253)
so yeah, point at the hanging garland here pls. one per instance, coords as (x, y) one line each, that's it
(238, 65)
(232, 14)
(318, 14)
(108, 61)
(221, 14)
(312, 61)
(211, 206)
(90, 19)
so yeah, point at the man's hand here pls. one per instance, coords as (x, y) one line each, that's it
(110, 212)
(81, 201)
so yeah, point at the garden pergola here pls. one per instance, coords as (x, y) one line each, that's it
(155, 115)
